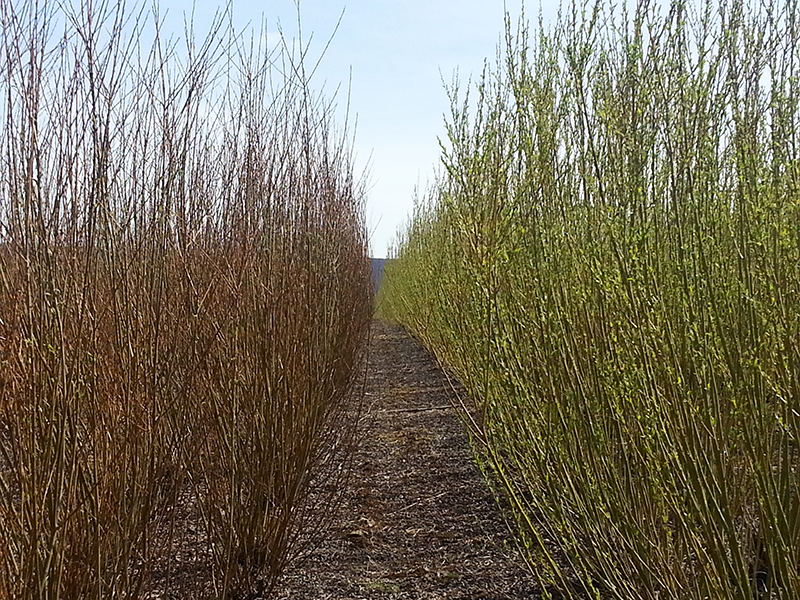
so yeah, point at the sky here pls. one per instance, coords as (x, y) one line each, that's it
(396, 56)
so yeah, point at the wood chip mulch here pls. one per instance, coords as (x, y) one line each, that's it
(418, 520)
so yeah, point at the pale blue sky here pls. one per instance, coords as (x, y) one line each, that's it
(399, 51)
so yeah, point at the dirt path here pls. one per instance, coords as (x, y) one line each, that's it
(417, 521)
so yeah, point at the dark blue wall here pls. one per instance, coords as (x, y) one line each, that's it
(377, 272)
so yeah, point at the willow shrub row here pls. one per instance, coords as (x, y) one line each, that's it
(610, 262)
(184, 304)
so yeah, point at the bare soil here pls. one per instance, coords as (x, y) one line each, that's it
(418, 520)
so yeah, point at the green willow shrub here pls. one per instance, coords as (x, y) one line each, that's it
(184, 308)
(610, 264)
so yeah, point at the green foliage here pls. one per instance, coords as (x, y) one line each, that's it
(610, 263)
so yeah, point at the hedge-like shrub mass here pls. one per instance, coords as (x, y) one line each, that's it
(610, 262)
(184, 306)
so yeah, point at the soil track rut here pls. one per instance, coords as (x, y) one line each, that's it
(417, 520)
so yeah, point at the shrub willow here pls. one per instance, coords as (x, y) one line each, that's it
(610, 263)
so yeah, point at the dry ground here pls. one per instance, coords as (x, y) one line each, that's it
(418, 520)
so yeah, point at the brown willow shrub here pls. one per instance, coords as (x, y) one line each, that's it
(184, 302)
(289, 340)
(610, 263)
